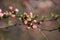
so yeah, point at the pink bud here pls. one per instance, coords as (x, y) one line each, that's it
(17, 10)
(27, 15)
(25, 22)
(35, 21)
(31, 13)
(28, 28)
(10, 7)
(6, 14)
(41, 22)
(31, 23)
(0, 10)
(13, 16)
(1, 14)
(34, 26)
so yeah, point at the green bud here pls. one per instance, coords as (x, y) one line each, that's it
(52, 15)
(43, 17)
(56, 16)
(20, 19)
(25, 13)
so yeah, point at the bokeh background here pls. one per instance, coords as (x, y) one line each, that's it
(19, 32)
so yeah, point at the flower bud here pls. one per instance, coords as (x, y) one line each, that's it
(0, 10)
(25, 22)
(10, 7)
(34, 26)
(1, 14)
(13, 16)
(17, 10)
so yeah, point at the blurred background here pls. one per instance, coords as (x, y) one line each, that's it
(40, 7)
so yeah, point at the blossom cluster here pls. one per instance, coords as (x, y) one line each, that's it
(30, 20)
(11, 12)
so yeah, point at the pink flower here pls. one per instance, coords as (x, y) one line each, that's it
(34, 26)
(1, 14)
(10, 7)
(25, 22)
(17, 10)
(13, 16)
(0, 10)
